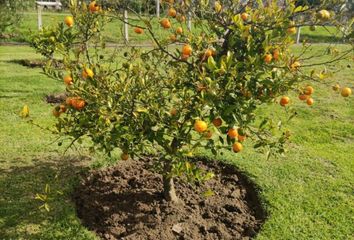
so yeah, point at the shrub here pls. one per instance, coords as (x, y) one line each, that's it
(170, 100)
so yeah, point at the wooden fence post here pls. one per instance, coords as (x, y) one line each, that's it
(158, 8)
(39, 12)
(298, 35)
(125, 26)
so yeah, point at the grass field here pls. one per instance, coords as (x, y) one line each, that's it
(308, 193)
(114, 30)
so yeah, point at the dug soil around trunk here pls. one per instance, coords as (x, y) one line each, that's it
(126, 202)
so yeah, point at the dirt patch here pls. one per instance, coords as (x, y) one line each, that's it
(125, 202)
(55, 98)
(36, 63)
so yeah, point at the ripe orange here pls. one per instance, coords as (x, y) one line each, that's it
(187, 50)
(200, 126)
(303, 97)
(309, 90)
(284, 101)
(309, 101)
(124, 156)
(165, 23)
(138, 30)
(179, 30)
(232, 133)
(268, 58)
(244, 16)
(172, 12)
(87, 73)
(217, 122)
(346, 92)
(69, 21)
(208, 53)
(94, 7)
(78, 103)
(276, 54)
(237, 147)
(68, 80)
(68, 101)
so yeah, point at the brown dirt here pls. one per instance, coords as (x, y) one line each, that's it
(125, 202)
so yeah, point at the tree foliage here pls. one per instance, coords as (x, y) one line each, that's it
(188, 91)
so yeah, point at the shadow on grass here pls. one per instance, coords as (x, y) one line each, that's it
(20, 216)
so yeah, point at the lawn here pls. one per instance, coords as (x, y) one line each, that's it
(308, 193)
(113, 32)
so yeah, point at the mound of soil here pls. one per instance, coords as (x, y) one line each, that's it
(36, 63)
(125, 202)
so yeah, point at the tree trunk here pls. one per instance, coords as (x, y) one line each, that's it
(169, 189)
(168, 183)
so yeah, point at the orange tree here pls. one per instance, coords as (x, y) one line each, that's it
(187, 91)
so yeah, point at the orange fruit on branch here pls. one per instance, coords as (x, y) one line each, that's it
(208, 53)
(284, 101)
(309, 90)
(187, 50)
(93, 6)
(78, 103)
(276, 54)
(69, 21)
(303, 97)
(68, 80)
(232, 133)
(172, 12)
(309, 101)
(87, 72)
(200, 126)
(165, 23)
(237, 147)
(138, 30)
(244, 16)
(179, 30)
(217, 122)
(268, 58)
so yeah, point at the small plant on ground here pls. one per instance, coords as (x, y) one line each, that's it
(188, 91)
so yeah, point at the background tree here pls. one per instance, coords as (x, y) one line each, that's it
(10, 13)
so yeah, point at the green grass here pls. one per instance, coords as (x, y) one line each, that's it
(308, 192)
(113, 32)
